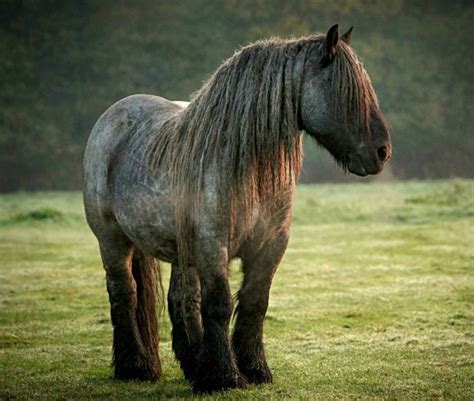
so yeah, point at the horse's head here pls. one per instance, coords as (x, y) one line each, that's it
(339, 107)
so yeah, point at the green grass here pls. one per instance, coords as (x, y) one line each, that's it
(373, 299)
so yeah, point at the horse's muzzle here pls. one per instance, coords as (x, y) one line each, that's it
(355, 166)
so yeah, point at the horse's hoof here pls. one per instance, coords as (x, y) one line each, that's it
(189, 374)
(142, 370)
(211, 384)
(258, 376)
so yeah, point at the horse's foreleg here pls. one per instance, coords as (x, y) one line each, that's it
(132, 357)
(216, 368)
(184, 304)
(252, 307)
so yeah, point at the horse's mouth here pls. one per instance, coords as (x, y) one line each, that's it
(357, 167)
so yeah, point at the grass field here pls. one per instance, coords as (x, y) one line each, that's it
(373, 299)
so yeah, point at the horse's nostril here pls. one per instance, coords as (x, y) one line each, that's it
(382, 153)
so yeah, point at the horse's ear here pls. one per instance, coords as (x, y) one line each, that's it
(347, 37)
(332, 37)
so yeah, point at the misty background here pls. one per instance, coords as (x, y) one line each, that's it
(63, 63)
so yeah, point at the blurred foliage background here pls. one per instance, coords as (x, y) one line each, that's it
(63, 62)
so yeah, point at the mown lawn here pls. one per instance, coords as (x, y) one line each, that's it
(373, 299)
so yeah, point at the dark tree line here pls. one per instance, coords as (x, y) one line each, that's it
(63, 62)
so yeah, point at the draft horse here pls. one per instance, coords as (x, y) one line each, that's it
(198, 186)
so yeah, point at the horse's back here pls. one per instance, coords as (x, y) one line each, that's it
(110, 135)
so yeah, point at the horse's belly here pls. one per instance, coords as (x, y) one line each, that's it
(152, 236)
(146, 215)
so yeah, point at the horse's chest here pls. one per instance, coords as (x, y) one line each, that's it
(266, 223)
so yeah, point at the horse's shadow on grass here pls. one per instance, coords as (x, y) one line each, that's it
(166, 388)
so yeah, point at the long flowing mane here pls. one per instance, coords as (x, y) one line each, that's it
(353, 94)
(243, 126)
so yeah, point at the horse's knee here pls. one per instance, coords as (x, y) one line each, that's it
(253, 300)
(184, 295)
(217, 304)
(174, 303)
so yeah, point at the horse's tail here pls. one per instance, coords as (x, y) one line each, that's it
(147, 275)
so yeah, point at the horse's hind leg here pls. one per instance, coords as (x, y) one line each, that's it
(132, 309)
(184, 305)
(252, 307)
